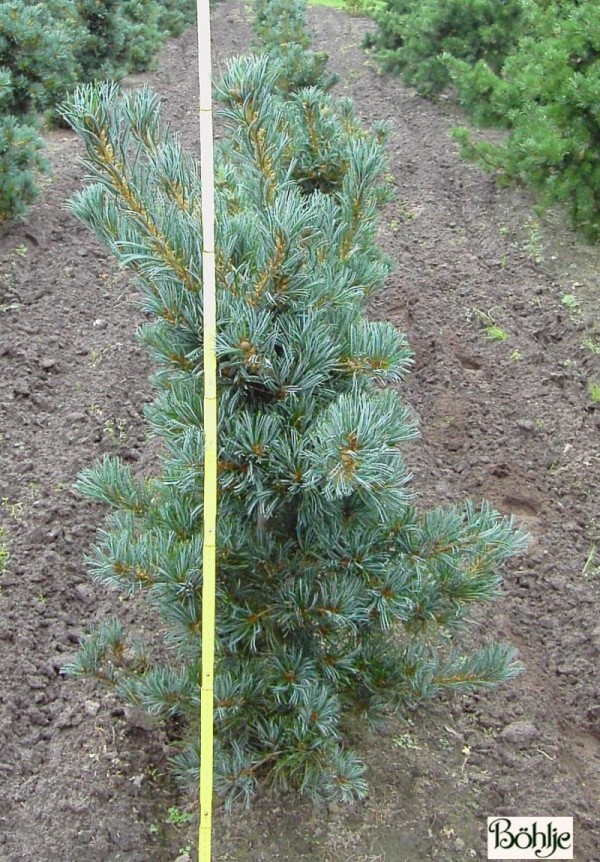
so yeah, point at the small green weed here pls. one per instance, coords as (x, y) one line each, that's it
(406, 741)
(594, 390)
(10, 306)
(154, 773)
(591, 567)
(556, 467)
(14, 509)
(491, 330)
(533, 245)
(592, 343)
(495, 333)
(117, 431)
(405, 209)
(4, 554)
(175, 816)
(94, 357)
(570, 301)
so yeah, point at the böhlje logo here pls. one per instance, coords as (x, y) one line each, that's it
(530, 838)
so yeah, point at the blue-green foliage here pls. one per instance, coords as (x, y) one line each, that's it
(335, 595)
(281, 29)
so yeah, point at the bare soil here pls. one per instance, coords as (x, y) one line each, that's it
(500, 386)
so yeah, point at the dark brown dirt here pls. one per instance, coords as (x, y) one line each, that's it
(82, 780)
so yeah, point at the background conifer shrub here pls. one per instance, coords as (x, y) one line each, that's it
(120, 36)
(102, 51)
(280, 26)
(176, 16)
(548, 94)
(414, 35)
(21, 163)
(20, 158)
(335, 595)
(108, 38)
(145, 35)
(47, 48)
(37, 52)
(531, 66)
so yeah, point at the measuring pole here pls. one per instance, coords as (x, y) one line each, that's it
(210, 433)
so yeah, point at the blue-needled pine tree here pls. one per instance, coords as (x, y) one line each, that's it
(281, 28)
(335, 595)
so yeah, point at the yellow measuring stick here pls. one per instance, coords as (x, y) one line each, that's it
(210, 433)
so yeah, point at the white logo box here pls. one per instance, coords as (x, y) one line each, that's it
(530, 838)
